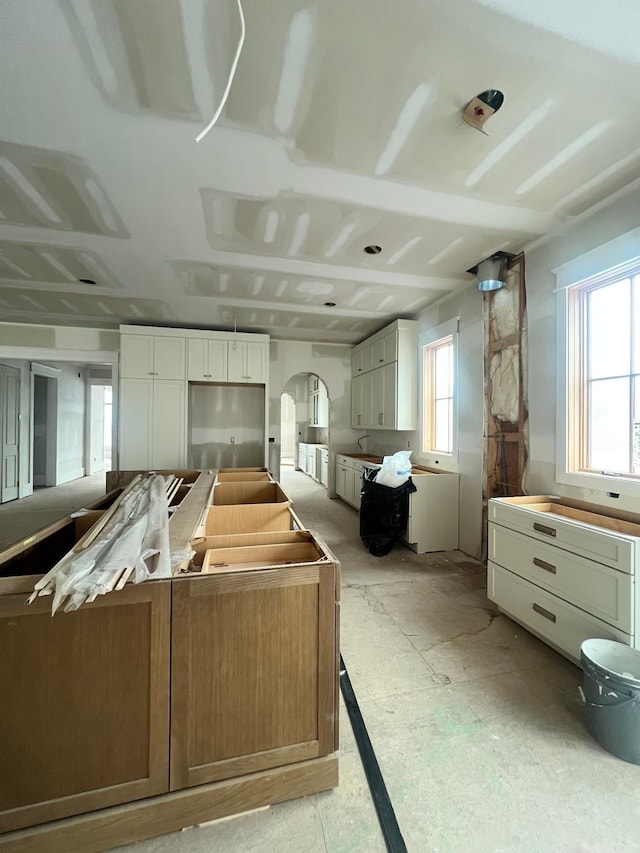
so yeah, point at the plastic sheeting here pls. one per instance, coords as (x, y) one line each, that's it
(134, 542)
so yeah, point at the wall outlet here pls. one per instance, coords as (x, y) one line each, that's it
(408, 445)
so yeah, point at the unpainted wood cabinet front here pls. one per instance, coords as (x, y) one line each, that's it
(253, 671)
(84, 704)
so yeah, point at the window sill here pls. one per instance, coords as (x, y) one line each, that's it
(600, 483)
(440, 461)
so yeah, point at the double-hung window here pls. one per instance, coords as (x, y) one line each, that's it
(599, 441)
(438, 392)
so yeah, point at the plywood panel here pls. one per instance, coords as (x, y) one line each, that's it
(248, 518)
(253, 671)
(248, 493)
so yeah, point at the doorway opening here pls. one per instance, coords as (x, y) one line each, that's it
(287, 430)
(45, 430)
(100, 427)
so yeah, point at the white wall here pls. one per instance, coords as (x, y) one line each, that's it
(21, 343)
(603, 226)
(71, 423)
(332, 363)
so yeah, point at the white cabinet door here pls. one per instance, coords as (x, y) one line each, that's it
(383, 397)
(256, 363)
(136, 356)
(169, 358)
(389, 407)
(207, 360)
(356, 401)
(197, 360)
(136, 412)
(361, 401)
(342, 487)
(145, 356)
(377, 398)
(168, 446)
(385, 350)
(302, 456)
(247, 362)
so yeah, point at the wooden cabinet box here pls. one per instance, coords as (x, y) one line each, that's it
(219, 560)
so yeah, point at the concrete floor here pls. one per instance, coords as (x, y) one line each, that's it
(476, 724)
(18, 519)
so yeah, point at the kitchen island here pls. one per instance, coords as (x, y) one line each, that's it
(172, 702)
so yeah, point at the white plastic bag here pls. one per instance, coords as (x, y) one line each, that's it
(395, 470)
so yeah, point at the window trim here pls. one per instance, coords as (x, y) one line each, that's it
(448, 461)
(605, 262)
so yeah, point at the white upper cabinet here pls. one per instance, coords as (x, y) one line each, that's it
(247, 362)
(207, 360)
(151, 357)
(384, 379)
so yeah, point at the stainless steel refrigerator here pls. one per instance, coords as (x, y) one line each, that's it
(226, 426)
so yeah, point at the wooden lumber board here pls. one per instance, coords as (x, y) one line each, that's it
(240, 470)
(240, 540)
(120, 479)
(120, 825)
(186, 518)
(243, 476)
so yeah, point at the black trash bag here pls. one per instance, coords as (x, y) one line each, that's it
(384, 513)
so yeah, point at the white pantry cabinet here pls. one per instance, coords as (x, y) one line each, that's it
(566, 570)
(156, 366)
(152, 424)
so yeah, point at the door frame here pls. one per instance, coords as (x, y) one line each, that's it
(3, 427)
(52, 374)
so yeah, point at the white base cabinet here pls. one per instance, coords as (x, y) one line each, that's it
(349, 479)
(433, 507)
(433, 511)
(566, 572)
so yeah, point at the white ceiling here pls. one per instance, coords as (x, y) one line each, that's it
(342, 128)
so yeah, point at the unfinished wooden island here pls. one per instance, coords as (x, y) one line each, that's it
(173, 702)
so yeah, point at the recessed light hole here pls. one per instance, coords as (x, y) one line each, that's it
(86, 281)
(330, 304)
(373, 250)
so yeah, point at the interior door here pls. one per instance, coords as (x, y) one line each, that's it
(10, 432)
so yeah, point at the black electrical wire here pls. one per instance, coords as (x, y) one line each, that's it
(379, 794)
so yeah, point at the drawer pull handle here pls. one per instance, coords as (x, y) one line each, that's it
(546, 613)
(542, 528)
(542, 565)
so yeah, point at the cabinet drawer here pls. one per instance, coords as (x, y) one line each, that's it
(559, 623)
(598, 589)
(595, 543)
